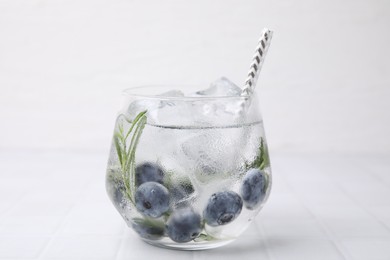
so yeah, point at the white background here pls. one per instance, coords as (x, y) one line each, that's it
(324, 85)
(324, 92)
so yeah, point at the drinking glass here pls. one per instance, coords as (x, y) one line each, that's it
(188, 171)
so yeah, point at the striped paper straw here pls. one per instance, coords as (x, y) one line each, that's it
(257, 62)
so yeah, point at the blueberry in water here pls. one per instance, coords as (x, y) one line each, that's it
(181, 195)
(253, 188)
(184, 225)
(181, 191)
(148, 172)
(119, 193)
(152, 199)
(222, 208)
(148, 230)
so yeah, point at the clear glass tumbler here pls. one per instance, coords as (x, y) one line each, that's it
(188, 171)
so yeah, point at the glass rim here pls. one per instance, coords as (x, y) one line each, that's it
(137, 93)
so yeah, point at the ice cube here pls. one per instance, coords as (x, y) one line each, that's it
(220, 111)
(222, 87)
(170, 93)
(138, 106)
(209, 155)
(157, 110)
(174, 113)
(173, 93)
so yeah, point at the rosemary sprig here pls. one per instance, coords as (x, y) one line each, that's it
(204, 237)
(126, 155)
(149, 222)
(262, 159)
(264, 156)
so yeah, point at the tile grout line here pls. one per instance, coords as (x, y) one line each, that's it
(7, 211)
(339, 243)
(122, 243)
(329, 234)
(336, 242)
(333, 239)
(381, 180)
(356, 203)
(60, 226)
(362, 206)
(289, 189)
(261, 230)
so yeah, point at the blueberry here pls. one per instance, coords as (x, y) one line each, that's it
(119, 193)
(181, 191)
(253, 188)
(148, 172)
(184, 225)
(148, 230)
(222, 208)
(152, 199)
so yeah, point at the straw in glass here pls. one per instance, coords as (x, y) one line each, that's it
(257, 62)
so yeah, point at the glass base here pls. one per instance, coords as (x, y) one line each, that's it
(190, 246)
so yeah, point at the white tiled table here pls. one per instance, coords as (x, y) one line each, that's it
(54, 206)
